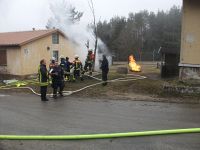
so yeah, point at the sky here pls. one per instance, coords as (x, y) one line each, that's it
(19, 15)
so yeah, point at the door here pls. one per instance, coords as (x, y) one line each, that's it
(56, 55)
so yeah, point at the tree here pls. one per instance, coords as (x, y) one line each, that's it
(63, 14)
(91, 5)
(143, 30)
(75, 15)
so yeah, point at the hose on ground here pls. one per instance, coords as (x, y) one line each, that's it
(100, 136)
(21, 85)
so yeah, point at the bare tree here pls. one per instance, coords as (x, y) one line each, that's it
(91, 5)
(75, 15)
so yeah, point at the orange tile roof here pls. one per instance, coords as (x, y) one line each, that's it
(24, 37)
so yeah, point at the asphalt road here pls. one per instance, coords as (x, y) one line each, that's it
(27, 115)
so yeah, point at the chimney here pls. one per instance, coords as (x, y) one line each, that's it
(33, 29)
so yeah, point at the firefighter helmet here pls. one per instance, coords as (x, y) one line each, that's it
(76, 56)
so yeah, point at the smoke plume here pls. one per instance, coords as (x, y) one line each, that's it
(77, 32)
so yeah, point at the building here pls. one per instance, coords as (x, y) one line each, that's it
(21, 52)
(190, 40)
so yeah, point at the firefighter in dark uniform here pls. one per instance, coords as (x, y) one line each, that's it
(68, 67)
(63, 64)
(43, 79)
(89, 62)
(57, 75)
(105, 70)
(77, 66)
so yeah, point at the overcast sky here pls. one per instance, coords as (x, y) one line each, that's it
(26, 14)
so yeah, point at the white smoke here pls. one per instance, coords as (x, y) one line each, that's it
(78, 33)
(103, 50)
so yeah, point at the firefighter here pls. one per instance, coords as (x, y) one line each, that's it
(63, 64)
(89, 62)
(43, 79)
(57, 76)
(77, 66)
(105, 70)
(68, 67)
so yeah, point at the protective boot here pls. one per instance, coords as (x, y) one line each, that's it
(61, 93)
(55, 93)
(54, 96)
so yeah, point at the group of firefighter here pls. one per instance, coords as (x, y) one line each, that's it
(57, 73)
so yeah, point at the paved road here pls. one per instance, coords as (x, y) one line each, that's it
(26, 115)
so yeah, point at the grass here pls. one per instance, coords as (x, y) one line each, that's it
(120, 88)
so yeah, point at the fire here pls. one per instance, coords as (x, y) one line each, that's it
(133, 65)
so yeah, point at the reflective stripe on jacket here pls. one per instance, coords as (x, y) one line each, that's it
(77, 65)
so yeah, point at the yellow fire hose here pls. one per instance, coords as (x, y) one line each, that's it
(99, 136)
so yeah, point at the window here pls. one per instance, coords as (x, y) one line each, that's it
(55, 55)
(3, 58)
(55, 38)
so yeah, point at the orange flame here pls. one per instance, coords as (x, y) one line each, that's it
(133, 65)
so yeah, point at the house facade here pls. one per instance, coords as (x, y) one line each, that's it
(190, 42)
(21, 52)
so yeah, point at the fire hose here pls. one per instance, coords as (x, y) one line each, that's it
(100, 136)
(22, 85)
(129, 77)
